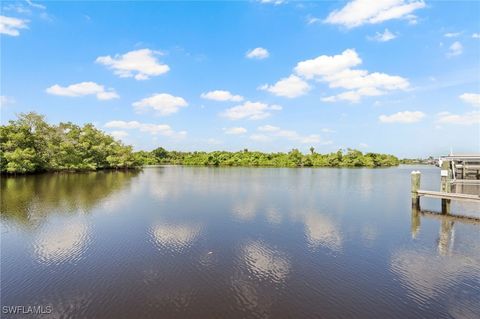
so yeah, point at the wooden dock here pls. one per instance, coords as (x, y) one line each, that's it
(466, 167)
(451, 196)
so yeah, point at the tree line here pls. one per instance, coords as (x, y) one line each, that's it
(294, 158)
(29, 144)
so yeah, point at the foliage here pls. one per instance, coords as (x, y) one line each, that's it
(30, 145)
(294, 158)
(418, 161)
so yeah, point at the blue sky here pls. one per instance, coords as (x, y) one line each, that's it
(392, 76)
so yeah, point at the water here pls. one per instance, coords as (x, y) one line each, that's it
(196, 242)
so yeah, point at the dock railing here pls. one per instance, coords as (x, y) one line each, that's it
(467, 167)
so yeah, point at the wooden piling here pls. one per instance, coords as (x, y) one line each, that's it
(445, 185)
(415, 221)
(415, 177)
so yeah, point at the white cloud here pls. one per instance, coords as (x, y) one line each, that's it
(471, 98)
(260, 138)
(270, 132)
(140, 64)
(235, 130)
(35, 5)
(268, 128)
(469, 118)
(337, 71)
(220, 95)
(11, 26)
(6, 100)
(383, 36)
(402, 117)
(452, 34)
(153, 129)
(250, 110)
(455, 49)
(313, 20)
(327, 130)
(359, 12)
(162, 103)
(275, 2)
(363, 145)
(290, 87)
(326, 65)
(257, 53)
(353, 96)
(214, 141)
(119, 134)
(82, 89)
(476, 35)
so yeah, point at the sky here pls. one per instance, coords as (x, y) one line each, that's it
(391, 76)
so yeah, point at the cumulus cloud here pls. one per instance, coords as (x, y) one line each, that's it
(140, 64)
(360, 12)
(6, 100)
(250, 110)
(455, 49)
(337, 71)
(405, 117)
(257, 53)
(153, 129)
(235, 130)
(476, 35)
(471, 98)
(326, 65)
(221, 95)
(469, 118)
(260, 138)
(119, 134)
(270, 132)
(452, 34)
(11, 26)
(383, 36)
(313, 20)
(275, 2)
(36, 5)
(290, 87)
(82, 89)
(162, 103)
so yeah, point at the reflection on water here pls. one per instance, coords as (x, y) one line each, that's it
(174, 237)
(428, 273)
(446, 235)
(63, 241)
(196, 242)
(266, 262)
(321, 231)
(30, 199)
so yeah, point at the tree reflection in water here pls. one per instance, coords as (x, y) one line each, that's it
(28, 200)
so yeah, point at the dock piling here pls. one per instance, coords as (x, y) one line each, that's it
(415, 176)
(445, 185)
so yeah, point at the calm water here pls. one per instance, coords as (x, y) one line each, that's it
(183, 242)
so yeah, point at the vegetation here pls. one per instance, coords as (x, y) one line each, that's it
(294, 158)
(418, 161)
(30, 199)
(30, 144)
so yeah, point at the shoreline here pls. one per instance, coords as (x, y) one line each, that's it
(136, 169)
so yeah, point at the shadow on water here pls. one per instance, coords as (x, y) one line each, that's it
(447, 222)
(28, 200)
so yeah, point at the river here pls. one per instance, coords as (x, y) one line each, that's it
(199, 242)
